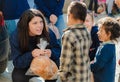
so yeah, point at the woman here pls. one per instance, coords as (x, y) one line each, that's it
(52, 10)
(31, 27)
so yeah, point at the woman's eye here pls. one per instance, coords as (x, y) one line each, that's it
(41, 21)
(35, 23)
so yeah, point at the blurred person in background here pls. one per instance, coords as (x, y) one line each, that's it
(52, 10)
(117, 2)
(93, 29)
(11, 11)
(4, 43)
(117, 73)
(93, 6)
(109, 4)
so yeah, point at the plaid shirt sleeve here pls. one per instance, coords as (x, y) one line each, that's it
(66, 56)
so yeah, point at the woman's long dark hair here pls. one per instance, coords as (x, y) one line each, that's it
(23, 28)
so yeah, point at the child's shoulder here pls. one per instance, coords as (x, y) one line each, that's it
(109, 46)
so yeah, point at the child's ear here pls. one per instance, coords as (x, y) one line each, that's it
(109, 35)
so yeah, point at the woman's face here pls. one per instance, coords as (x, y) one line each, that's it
(89, 22)
(36, 26)
(102, 35)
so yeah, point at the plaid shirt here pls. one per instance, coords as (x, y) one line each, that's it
(74, 60)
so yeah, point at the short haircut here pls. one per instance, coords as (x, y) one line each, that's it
(78, 10)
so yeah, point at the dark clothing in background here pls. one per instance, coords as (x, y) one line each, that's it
(95, 42)
(91, 7)
(48, 7)
(12, 9)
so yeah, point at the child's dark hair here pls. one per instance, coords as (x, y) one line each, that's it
(111, 25)
(78, 10)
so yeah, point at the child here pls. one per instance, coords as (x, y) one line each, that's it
(93, 29)
(76, 41)
(103, 66)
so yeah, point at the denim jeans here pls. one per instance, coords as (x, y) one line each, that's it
(11, 25)
(109, 6)
(4, 48)
(60, 24)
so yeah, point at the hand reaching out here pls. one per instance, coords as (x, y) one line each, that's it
(53, 19)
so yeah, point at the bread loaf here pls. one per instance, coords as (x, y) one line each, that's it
(44, 67)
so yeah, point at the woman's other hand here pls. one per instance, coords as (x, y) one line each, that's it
(47, 52)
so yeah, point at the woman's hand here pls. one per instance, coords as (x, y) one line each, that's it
(47, 52)
(39, 52)
(92, 62)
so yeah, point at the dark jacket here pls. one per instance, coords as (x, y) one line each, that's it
(4, 41)
(95, 42)
(104, 64)
(48, 7)
(12, 9)
(24, 60)
(4, 46)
